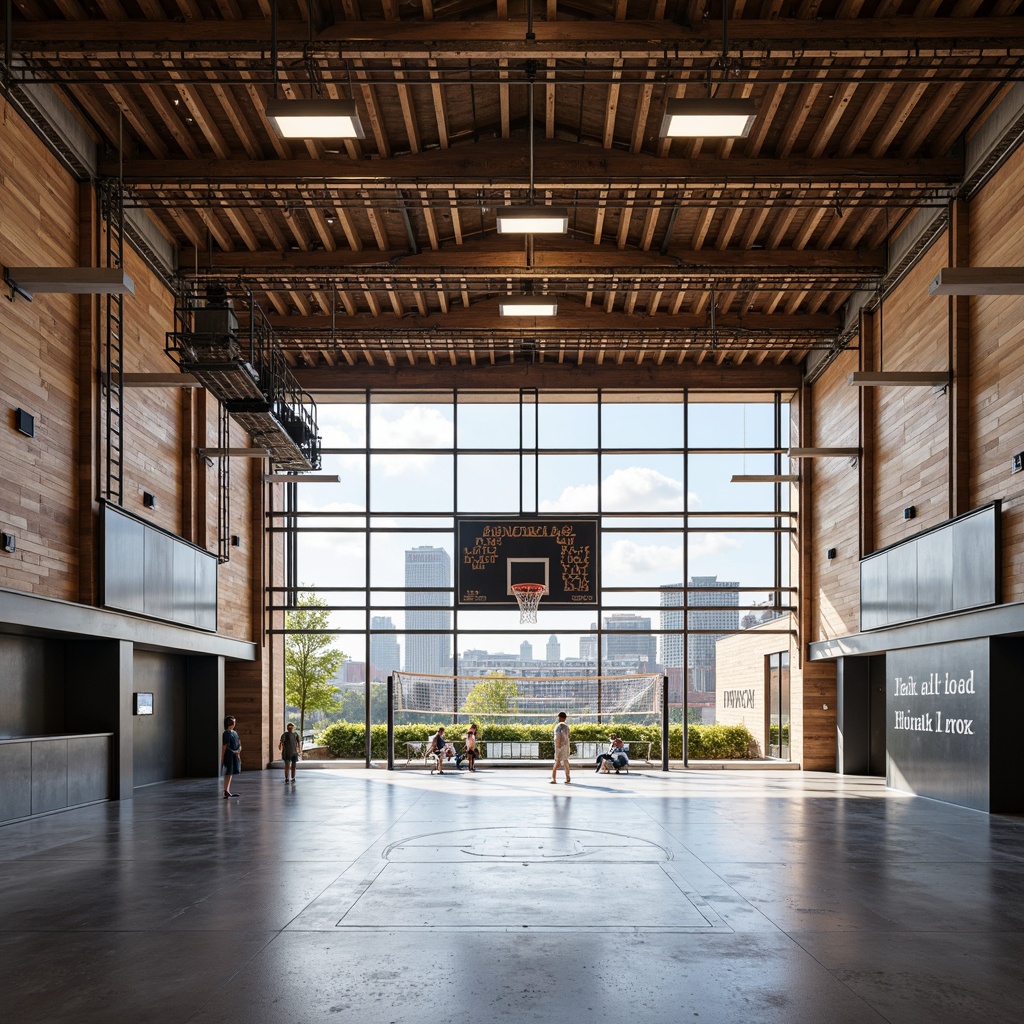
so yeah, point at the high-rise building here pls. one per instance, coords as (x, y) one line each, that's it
(721, 599)
(385, 655)
(428, 652)
(554, 649)
(628, 638)
(525, 651)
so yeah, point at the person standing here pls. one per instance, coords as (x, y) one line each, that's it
(561, 748)
(471, 746)
(230, 754)
(290, 747)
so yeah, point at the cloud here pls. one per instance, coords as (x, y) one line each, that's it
(632, 489)
(627, 563)
(411, 427)
(712, 544)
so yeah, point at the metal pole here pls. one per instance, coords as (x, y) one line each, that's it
(391, 722)
(664, 723)
(686, 725)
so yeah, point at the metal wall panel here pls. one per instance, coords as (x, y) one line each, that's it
(88, 769)
(975, 568)
(206, 591)
(934, 573)
(154, 573)
(874, 603)
(49, 775)
(902, 582)
(15, 780)
(185, 585)
(952, 567)
(123, 561)
(159, 582)
(938, 722)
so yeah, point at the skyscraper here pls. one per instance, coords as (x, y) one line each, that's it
(385, 656)
(431, 651)
(554, 649)
(630, 640)
(526, 651)
(722, 617)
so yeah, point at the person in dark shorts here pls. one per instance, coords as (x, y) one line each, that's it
(230, 754)
(290, 747)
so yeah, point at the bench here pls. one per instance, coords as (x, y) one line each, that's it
(515, 750)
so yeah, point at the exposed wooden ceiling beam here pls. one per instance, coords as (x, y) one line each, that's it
(557, 164)
(582, 260)
(567, 376)
(461, 40)
(482, 317)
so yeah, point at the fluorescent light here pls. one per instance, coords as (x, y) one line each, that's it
(27, 281)
(899, 378)
(533, 220)
(764, 478)
(315, 119)
(709, 119)
(300, 478)
(527, 305)
(978, 281)
(824, 453)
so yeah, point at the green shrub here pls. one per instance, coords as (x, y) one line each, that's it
(346, 740)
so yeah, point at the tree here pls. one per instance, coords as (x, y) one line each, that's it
(495, 696)
(310, 659)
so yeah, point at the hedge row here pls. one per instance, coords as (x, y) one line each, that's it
(706, 742)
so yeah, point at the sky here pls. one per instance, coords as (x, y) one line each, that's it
(558, 480)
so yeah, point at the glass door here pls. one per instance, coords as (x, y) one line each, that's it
(777, 670)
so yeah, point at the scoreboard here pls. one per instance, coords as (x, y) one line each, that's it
(559, 552)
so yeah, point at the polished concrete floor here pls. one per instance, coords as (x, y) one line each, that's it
(376, 897)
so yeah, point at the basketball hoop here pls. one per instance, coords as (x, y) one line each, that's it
(528, 595)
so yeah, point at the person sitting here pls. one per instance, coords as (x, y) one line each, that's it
(615, 758)
(440, 748)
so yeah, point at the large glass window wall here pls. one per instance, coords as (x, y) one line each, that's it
(687, 554)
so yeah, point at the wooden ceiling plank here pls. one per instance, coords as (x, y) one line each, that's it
(376, 224)
(505, 115)
(431, 221)
(233, 112)
(440, 107)
(412, 130)
(908, 99)
(258, 99)
(323, 230)
(625, 217)
(651, 221)
(611, 108)
(456, 215)
(373, 113)
(270, 228)
(201, 115)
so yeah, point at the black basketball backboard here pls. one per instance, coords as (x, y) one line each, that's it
(558, 552)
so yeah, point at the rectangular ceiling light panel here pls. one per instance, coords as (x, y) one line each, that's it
(315, 119)
(527, 305)
(533, 220)
(708, 119)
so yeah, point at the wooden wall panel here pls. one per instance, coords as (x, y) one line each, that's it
(911, 424)
(997, 365)
(834, 598)
(38, 370)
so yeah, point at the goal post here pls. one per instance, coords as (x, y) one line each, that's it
(502, 699)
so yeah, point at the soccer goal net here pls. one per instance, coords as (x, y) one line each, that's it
(505, 698)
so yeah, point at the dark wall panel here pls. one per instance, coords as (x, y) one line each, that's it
(88, 769)
(15, 780)
(938, 722)
(49, 775)
(31, 686)
(935, 573)
(952, 567)
(152, 572)
(159, 739)
(123, 562)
